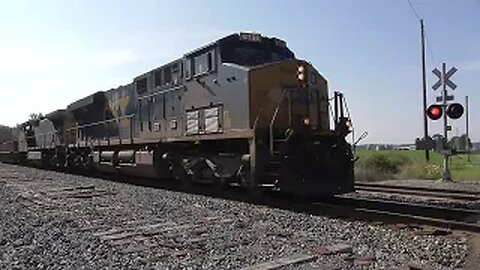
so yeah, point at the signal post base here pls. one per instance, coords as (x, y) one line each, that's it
(446, 175)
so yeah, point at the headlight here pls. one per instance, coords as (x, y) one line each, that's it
(301, 74)
(306, 121)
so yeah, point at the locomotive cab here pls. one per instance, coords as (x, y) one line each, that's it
(296, 149)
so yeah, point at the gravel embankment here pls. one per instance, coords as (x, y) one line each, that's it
(59, 221)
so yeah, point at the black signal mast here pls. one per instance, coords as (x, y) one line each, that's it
(424, 86)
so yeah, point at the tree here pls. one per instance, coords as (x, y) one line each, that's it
(6, 134)
(422, 144)
(36, 116)
(459, 143)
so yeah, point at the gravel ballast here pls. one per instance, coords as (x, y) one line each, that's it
(52, 220)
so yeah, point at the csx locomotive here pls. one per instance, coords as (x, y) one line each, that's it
(240, 111)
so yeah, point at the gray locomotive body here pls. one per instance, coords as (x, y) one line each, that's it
(239, 111)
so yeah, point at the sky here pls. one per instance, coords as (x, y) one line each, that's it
(53, 52)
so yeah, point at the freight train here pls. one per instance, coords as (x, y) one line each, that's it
(242, 110)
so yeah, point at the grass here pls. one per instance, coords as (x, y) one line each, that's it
(379, 165)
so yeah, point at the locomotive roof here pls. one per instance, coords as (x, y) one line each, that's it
(208, 45)
(95, 97)
(58, 114)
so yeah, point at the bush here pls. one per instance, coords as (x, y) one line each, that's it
(380, 166)
(370, 175)
(422, 170)
(385, 163)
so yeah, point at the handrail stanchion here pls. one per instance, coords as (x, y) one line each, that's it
(131, 129)
(274, 117)
(108, 133)
(119, 125)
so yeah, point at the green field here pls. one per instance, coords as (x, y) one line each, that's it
(411, 164)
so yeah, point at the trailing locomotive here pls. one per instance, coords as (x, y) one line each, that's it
(239, 111)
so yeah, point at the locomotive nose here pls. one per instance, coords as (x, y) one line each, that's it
(316, 169)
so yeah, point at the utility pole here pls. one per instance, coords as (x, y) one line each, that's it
(424, 85)
(467, 129)
(446, 168)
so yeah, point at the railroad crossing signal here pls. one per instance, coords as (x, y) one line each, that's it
(448, 98)
(435, 111)
(453, 111)
(444, 78)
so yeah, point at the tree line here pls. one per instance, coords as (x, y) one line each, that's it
(6, 134)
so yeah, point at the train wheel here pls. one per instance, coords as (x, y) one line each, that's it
(182, 176)
(247, 180)
(255, 190)
(220, 184)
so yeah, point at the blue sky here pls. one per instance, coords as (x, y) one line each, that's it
(54, 52)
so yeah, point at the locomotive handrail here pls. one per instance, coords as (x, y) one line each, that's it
(56, 132)
(130, 116)
(171, 89)
(274, 117)
(258, 118)
(101, 122)
(39, 134)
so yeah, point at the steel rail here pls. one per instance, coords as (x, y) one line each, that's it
(420, 191)
(373, 209)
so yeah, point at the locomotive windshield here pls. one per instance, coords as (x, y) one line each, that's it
(252, 53)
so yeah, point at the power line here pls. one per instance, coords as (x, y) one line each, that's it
(413, 9)
(432, 55)
(430, 50)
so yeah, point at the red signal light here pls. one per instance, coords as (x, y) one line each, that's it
(434, 112)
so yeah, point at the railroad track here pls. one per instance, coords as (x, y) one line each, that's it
(360, 208)
(394, 211)
(464, 195)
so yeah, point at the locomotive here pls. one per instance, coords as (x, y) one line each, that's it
(241, 111)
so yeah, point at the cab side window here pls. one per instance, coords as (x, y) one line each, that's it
(188, 68)
(200, 63)
(203, 63)
(158, 78)
(141, 85)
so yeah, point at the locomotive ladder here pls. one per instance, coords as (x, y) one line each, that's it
(275, 146)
